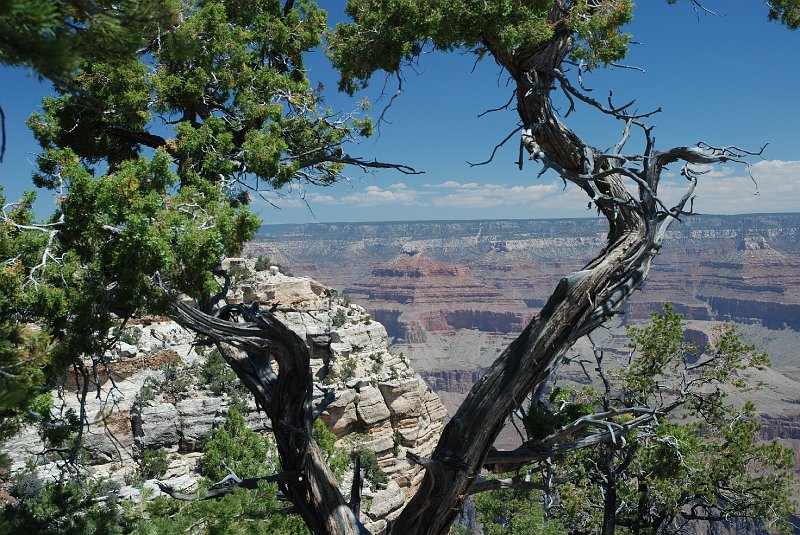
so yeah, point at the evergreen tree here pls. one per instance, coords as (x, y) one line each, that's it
(155, 151)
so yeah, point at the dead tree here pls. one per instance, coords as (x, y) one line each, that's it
(624, 188)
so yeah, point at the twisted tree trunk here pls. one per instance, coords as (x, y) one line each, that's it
(580, 302)
(286, 396)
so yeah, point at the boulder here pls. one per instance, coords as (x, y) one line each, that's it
(156, 426)
(371, 408)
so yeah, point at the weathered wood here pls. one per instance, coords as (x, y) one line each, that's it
(580, 303)
(286, 397)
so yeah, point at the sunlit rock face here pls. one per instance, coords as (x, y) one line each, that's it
(158, 399)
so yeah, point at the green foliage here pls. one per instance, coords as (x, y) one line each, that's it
(241, 512)
(339, 319)
(23, 356)
(153, 463)
(511, 512)
(74, 507)
(377, 362)
(218, 377)
(369, 464)
(174, 383)
(244, 451)
(348, 370)
(55, 37)
(263, 263)
(239, 274)
(62, 508)
(337, 458)
(787, 12)
(248, 454)
(702, 461)
(384, 36)
(131, 335)
(152, 146)
(396, 442)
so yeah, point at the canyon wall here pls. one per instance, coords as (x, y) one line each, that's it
(453, 294)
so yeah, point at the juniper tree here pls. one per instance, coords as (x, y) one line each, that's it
(154, 157)
(654, 444)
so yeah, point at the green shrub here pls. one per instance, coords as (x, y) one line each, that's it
(396, 439)
(71, 507)
(176, 380)
(246, 452)
(150, 389)
(153, 463)
(369, 463)
(337, 458)
(131, 335)
(263, 263)
(239, 273)
(348, 370)
(393, 373)
(340, 318)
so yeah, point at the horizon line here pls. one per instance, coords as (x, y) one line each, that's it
(477, 220)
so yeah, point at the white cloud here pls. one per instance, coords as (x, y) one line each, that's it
(723, 190)
(493, 195)
(729, 189)
(446, 184)
(370, 196)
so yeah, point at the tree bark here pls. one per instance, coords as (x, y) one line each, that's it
(610, 499)
(580, 302)
(286, 397)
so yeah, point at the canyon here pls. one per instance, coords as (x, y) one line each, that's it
(453, 294)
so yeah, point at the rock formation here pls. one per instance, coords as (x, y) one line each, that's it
(380, 402)
(470, 286)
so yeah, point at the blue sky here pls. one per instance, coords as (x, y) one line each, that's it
(727, 80)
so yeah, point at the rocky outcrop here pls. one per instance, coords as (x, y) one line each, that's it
(460, 381)
(380, 402)
(768, 313)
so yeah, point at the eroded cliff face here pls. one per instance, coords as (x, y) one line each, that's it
(380, 402)
(430, 281)
(473, 285)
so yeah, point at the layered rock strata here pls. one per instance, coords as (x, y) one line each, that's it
(380, 402)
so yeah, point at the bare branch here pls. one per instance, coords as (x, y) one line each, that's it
(357, 486)
(364, 164)
(618, 112)
(382, 116)
(514, 483)
(503, 107)
(496, 147)
(225, 486)
(2, 133)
